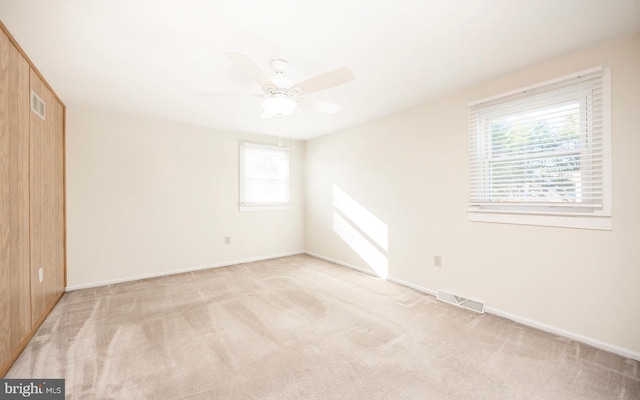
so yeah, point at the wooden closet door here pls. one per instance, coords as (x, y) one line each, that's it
(47, 209)
(15, 304)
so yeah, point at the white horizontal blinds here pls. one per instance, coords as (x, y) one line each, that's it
(264, 175)
(540, 147)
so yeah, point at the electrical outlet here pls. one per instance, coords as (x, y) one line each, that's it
(227, 240)
(437, 261)
(40, 275)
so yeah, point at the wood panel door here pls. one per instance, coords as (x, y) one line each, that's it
(47, 201)
(15, 304)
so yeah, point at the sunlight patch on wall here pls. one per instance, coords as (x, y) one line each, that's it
(366, 234)
(371, 225)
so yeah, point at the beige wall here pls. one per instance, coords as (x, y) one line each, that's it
(410, 171)
(146, 197)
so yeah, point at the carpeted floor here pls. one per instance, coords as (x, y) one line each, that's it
(302, 328)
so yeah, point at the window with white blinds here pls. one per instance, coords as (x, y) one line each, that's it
(543, 151)
(264, 177)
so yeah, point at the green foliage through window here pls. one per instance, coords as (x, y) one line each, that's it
(535, 155)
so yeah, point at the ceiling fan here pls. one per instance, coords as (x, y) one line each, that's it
(281, 98)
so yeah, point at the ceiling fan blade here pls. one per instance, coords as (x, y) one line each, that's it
(219, 94)
(266, 115)
(326, 80)
(321, 106)
(250, 68)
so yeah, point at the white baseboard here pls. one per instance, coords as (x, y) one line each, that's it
(178, 271)
(331, 260)
(494, 311)
(422, 289)
(561, 332)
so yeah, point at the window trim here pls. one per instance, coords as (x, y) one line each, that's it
(263, 206)
(600, 219)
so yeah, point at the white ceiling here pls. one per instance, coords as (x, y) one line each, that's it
(152, 57)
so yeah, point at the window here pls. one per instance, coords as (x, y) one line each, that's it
(540, 155)
(264, 177)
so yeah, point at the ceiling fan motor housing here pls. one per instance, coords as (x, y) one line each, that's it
(279, 66)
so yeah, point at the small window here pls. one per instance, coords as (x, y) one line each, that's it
(540, 155)
(264, 177)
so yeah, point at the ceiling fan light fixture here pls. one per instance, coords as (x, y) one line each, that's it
(279, 105)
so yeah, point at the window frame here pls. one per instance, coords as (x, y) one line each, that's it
(263, 206)
(535, 214)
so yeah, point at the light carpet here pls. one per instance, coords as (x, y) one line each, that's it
(302, 328)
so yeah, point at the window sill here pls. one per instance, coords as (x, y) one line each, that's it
(561, 221)
(264, 208)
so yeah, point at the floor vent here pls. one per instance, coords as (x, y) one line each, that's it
(472, 305)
